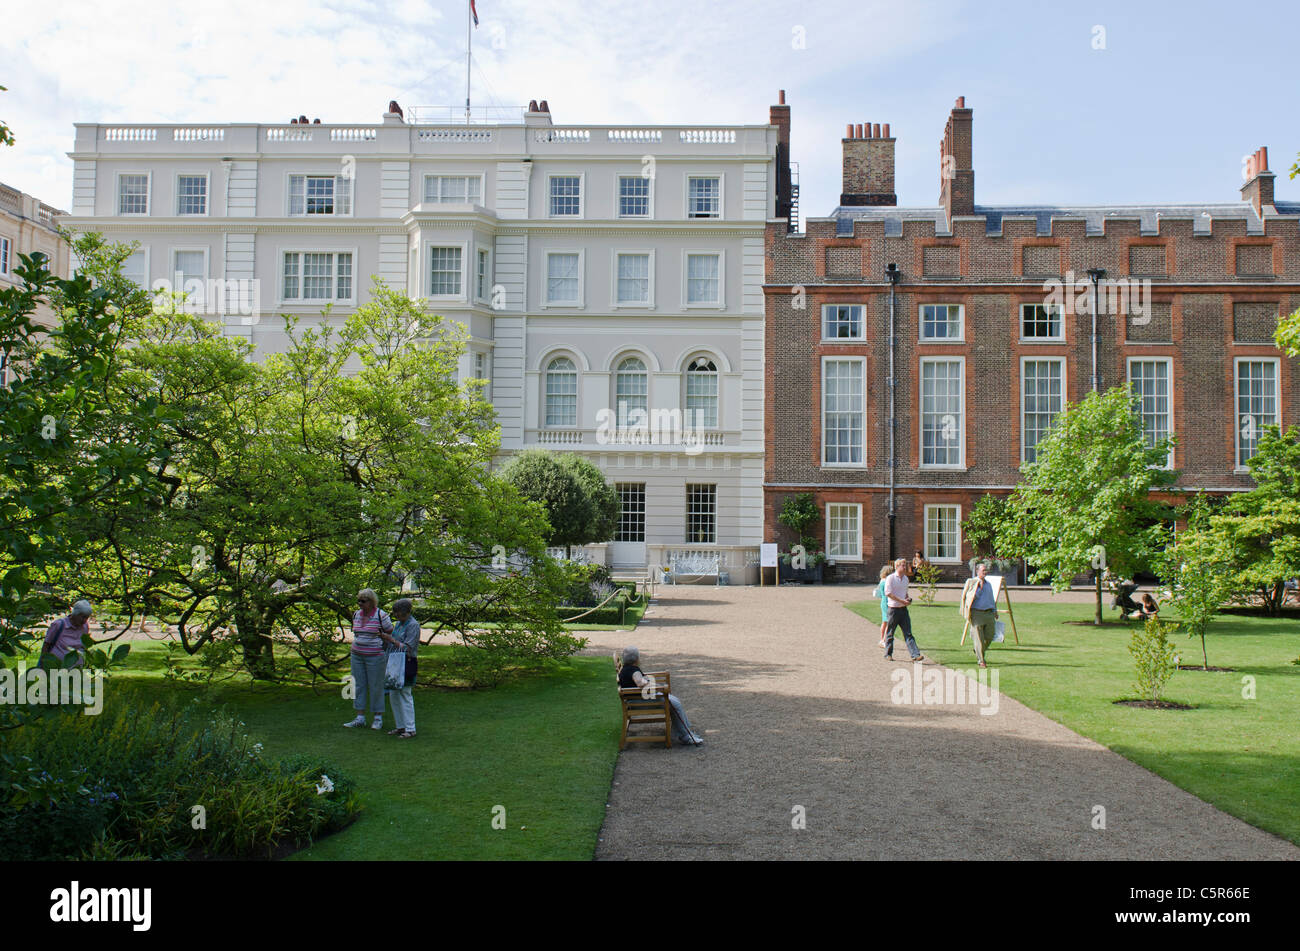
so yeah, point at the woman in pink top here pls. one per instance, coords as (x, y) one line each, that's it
(65, 633)
(370, 628)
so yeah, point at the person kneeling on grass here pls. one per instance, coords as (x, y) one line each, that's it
(370, 628)
(406, 637)
(629, 675)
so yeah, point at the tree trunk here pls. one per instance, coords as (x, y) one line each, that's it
(258, 649)
(1204, 656)
(1097, 617)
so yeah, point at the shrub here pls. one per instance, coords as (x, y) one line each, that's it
(124, 784)
(1153, 656)
(927, 576)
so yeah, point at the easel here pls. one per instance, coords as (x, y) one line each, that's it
(1006, 594)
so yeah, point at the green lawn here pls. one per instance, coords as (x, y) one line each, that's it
(1242, 755)
(543, 746)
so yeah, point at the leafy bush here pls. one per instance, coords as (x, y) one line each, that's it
(927, 576)
(125, 783)
(1154, 657)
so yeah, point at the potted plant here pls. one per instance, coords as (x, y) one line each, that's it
(981, 529)
(800, 513)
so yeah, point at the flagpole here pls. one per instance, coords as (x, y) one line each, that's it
(468, 35)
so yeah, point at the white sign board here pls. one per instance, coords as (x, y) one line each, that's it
(995, 582)
(767, 555)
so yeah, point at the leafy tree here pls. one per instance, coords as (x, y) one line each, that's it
(1257, 533)
(799, 512)
(1084, 503)
(981, 527)
(6, 133)
(1154, 658)
(580, 506)
(289, 484)
(1199, 572)
(67, 437)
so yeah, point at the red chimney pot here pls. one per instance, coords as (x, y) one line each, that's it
(780, 97)
(886, 130)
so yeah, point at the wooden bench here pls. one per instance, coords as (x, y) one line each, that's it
(640, 711)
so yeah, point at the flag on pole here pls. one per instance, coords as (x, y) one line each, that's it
(473, 12)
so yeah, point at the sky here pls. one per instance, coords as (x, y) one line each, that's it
(1074, 103)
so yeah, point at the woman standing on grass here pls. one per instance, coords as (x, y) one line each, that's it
(406, 637)
(370, 628)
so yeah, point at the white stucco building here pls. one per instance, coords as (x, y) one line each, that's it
(593, 266)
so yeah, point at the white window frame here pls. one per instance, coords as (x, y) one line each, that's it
(148, 194)
(545, 301)
(6, 254)
(426, 278)
(1064, 390)
(961, 323)
(171, 273)
(925, 533)
(687, 254)
(288, 196)
(920, 414)
(621, 419)
(582, 194)
(1169, 377)
(430, 176)
(686, 498)
(148, 280)
(863, 409)
(686, 196)
(207, 193)
(486, 295)
(551, 357)
(1237, 465)
(614, 302)
(717, 394)
(486, 377)
(315, 302)
(862, 323)
(618, 196)
(1020, 325)
(857, 521)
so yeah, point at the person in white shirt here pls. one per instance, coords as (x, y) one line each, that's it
(896, 596)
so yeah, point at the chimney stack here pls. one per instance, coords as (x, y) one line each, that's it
(779, 116)
(868, 165)
(956, 173)
(1258, 189)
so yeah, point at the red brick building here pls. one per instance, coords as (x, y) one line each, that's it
(984, 354)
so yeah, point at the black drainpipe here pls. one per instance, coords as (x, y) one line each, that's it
(892, 272)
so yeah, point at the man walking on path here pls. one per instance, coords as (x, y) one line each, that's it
(980, 608)
(896, 595)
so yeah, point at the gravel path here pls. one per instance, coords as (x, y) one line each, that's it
(792, 697)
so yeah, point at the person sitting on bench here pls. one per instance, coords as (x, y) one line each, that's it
(629, 675)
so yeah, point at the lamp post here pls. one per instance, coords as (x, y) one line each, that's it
(1096, 275)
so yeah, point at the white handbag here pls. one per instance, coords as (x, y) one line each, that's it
(999, 632)
(395, 671)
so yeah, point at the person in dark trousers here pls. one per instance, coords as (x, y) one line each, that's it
(897, 597)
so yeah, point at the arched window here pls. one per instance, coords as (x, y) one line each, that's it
(561, 393)
(701, 393)
(631, 390)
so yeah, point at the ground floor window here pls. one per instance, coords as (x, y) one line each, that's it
(942, 538)
(701, 514)
(844, 531)
(631, 512)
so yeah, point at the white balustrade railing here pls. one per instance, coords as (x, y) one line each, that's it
(360, 134)
(198, 135)
(130, 134)
(566, 437)
(634, 135)
(562, 135)
(454, 134)
(707, 136)
(289, 134)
